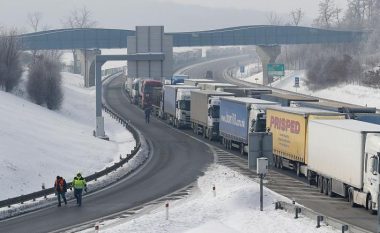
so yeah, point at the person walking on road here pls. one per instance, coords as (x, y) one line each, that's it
(147, 111)
(79, 183)
(60, 188)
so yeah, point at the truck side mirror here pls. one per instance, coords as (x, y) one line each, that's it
(374, 165)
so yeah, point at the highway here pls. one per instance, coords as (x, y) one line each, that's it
(177, 161)
(284, 182)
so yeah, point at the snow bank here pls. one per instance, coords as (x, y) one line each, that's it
(234, 209)
(354, 94)
(38, 144)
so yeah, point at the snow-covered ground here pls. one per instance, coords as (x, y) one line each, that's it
(234, 209)
(38, 144)
(354, 94)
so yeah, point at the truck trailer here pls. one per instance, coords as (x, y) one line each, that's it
(344, 159)
(196, 82)
(253, 92)
(176, 104)
(147, 86)
(205, 112)
(215, 86)
(289, 127)
(287, 99)
(238, 117)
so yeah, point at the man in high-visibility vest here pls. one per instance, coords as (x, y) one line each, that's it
(79, 183)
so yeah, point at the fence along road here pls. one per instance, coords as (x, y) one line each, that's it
(283, 182)
(176, 162)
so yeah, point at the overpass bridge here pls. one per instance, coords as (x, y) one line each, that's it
(267, 38)
(264, 35)
(150, 49)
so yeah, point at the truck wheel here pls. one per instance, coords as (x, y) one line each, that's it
(329, 188)
(324, 184)
(298, 169)
(351, 197)
(280, 165)
(320, 184)
(309, 177)
(369, 205)
(275, 161)
(209, 134)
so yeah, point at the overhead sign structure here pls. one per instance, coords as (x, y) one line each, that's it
(276, 69)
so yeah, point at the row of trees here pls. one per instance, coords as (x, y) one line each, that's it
(10, 67)
(44, 79)
(43, 84)
(359, 15)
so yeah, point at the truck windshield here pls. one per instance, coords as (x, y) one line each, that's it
(214, 111)
(184, 105)
(148, 89)
(260, 123)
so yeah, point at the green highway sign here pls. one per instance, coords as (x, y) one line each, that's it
(276, 69)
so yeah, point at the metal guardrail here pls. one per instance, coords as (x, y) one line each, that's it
(43, 193)
(319, 218)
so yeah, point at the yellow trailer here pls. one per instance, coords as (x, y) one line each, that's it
(289, 129)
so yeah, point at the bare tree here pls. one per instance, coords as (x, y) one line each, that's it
(296, 16)
(79, 18)
(274, 19)
(10, 66)
(328, 14)
(34, 20)
(44, 82)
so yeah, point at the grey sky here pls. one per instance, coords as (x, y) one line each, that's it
(175, 15)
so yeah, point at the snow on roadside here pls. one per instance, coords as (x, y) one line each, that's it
(38, 144)
(235, 209)
(354, 94)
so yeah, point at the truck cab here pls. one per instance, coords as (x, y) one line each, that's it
(371, 173)
(183, 107)
(146, 93)
(135, 91)
(213, 116)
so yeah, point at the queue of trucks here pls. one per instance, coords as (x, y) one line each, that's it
(336, 146)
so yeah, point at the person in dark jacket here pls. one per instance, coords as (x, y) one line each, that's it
(60, 188)
(147, 111)
(79, 183)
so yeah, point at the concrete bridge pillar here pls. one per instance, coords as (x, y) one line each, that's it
(268, 54)
(87, 65)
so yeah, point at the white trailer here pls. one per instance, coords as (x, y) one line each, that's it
(215, 86)
(196, 82)
(343, 156)
(176, 104)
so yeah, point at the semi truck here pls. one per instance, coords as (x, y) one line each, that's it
(253, 92)
(289, 127)
(204, 115)
(360, 113)
(215, 86)
(195, 82)
(176, 104)
(335, 106)
(238, 117)
(344, 159)
(178, 78)
(146, 87)
(287, 99)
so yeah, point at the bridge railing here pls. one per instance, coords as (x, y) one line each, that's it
(45, 192)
